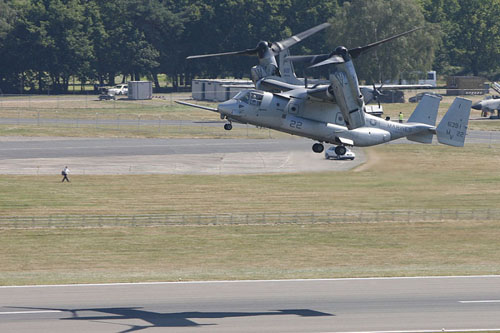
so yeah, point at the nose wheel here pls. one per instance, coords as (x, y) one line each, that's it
(318, 147)
(228, 126)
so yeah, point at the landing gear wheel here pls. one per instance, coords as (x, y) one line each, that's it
(318, 148)
(228, 127)
(340, 150)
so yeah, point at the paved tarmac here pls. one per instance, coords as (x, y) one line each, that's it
(342, 305)
(112, 156)
(25, 155)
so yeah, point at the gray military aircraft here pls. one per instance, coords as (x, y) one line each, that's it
(491, 103)
(336, 113)
(268, 76)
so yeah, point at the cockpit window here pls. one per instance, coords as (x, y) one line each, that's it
(256, 98)
(250, 97)
(242, 96)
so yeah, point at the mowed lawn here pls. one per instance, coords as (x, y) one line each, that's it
(248, 252)
(396, 177)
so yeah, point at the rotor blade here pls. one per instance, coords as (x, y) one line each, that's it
(311, 59)
(244, 52)
(496, 87)
(277, 47)
(334, 59)
(356, 52)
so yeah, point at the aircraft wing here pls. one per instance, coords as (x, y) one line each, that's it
(272, 84)
(400, 86)
(197, 106)
(242, 86)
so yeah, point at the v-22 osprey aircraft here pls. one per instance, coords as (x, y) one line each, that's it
(341, 119)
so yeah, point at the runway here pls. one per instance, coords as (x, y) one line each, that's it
(111, 156)
(336, 305)
(118, 156)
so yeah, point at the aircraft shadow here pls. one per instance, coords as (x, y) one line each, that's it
(177, 319)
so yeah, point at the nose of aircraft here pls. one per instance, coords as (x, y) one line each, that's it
(477, 106)
(227, 107)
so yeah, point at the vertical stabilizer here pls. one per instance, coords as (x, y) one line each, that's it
(287, 70)
(453, 127)
(426, 111)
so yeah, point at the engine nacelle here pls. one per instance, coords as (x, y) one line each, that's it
(261, 71)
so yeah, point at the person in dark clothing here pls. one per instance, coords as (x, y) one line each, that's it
(65, 173)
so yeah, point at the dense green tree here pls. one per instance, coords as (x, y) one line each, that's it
(438, 12)
(43, 43)
(50, 39)
(472, 35)
(360, 22)
(303, 15)
(7, 15)
(235, 25)
(474, 40)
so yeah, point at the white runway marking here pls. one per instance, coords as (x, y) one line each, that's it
(29, 312)
(427, 331)
(485, 301)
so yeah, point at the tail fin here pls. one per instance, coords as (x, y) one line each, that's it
(287, 70)
(453, 127)
(425, 113)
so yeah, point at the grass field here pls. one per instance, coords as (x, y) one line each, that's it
(248, 252)
(67, 115)
(397, 177)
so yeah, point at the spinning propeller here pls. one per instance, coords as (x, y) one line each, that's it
(342, 54)
(275, 47)
(377, 93)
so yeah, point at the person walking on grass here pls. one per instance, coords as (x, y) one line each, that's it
(65, 173)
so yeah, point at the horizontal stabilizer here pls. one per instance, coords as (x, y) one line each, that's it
(453, 127)
(426, 111)
(425, 137)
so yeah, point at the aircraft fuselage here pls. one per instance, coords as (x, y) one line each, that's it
(320, 121)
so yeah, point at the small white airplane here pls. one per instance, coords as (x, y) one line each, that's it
(490, 104)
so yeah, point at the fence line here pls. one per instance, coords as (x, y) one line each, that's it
(101, 221)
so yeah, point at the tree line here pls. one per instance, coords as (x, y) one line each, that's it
(46, 43)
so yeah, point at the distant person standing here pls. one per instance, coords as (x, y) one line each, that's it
(401, 117)
(65, 173)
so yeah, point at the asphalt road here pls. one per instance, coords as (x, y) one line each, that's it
(342, 305)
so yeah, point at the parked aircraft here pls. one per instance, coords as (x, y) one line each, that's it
(490, 104)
